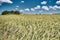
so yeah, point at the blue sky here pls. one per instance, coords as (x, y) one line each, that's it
(31, 6)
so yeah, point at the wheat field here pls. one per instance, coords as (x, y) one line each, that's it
(30, 27)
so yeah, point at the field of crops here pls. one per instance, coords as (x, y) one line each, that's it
(29, 27)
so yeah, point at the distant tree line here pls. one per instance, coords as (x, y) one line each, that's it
(10, 12)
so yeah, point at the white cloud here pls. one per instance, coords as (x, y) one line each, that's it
(21, 10)
(58, 2)
(37, 7)
(57, 7)
(44, 2)
(27, 9)
(51, 7)
(45, 8)
(32, 9)
(7, 1)
(22, 1)
(54, 7)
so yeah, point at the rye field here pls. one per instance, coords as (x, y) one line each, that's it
(30, 27)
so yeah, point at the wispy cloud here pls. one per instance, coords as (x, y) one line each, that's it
(17, 6)
(0, 4)
(40, 11)
(7, 1)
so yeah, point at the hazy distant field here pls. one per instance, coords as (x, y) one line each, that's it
(29, 27)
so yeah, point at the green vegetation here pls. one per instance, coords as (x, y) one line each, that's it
(10, 12)
(30, 27)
